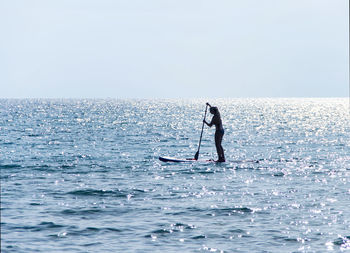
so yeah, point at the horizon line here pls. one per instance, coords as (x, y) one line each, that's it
(166, 98)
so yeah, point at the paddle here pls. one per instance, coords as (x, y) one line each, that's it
(200, 139)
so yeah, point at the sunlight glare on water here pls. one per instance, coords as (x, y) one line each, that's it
(84, 176)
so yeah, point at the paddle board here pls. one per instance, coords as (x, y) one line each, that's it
(178, 160)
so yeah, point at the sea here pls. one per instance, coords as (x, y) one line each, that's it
(83, 175)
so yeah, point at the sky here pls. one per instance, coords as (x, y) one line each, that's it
(174, 48)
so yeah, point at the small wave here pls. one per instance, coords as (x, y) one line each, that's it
(10, 166)
(236, 210)
(88, 231)
(173, 228)
(12, 248)
(100, 230)
(81, 212)
(245, 167)
(50, 225)
(237, 231)
(222, 211)
(196, 210)
(101, 193)
(183, 225)
(44, 167)
(27, 227)
(286, 239)
(107, 193)
(8, 143)
(343, 242)
(40, 227)
(161, 232)
(207, 171)
(198, 237)
(68, 166)
(34, 135)
(91, 244)
(278, 174)
(85, 232)
(112, 230)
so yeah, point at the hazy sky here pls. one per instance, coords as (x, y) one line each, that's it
(174, 48)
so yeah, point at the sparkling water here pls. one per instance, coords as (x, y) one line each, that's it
(84, 176)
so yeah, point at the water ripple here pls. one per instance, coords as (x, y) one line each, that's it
(84, 175)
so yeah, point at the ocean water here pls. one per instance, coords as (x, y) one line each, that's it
(84, 176)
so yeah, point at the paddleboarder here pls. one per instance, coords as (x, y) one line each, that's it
(219, 133)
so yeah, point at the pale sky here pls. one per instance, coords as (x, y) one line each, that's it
(174, 48)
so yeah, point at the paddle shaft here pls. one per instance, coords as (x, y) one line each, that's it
(200, 139)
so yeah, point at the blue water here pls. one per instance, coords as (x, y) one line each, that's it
(84, 176)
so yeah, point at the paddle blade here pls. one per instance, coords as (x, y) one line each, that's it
(196, 155)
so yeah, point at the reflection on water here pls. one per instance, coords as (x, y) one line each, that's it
(84, 175)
